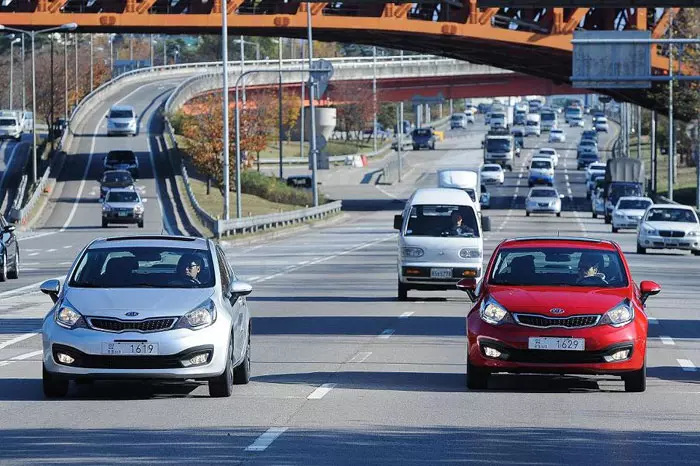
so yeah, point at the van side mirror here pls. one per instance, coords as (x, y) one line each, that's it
(398, 221)
(649, 288)
(468, 285)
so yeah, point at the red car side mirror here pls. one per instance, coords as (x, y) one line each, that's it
(649, 288)
(468, 285)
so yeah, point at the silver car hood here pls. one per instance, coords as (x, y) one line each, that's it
(148, 302)
(675, 226)
(122, 205)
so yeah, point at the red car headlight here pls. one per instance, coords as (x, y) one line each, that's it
(618, 316)
(493, 313)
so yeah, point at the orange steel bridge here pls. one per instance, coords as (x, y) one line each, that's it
(534, 41)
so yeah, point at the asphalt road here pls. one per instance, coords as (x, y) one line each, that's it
(342, 372)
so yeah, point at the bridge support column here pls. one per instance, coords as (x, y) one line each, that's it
(451, 107)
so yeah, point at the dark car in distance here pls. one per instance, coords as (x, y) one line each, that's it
(423, 137)
(115, 179)
(122, 160)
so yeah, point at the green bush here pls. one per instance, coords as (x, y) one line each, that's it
(274, 190)
(177, 119)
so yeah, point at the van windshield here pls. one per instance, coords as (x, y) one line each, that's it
(442, 221)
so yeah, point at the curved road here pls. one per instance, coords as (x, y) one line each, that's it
(342, 372)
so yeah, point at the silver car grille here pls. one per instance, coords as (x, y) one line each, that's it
(107, 324)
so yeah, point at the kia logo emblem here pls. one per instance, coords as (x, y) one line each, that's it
(132, 314)
(557, 310)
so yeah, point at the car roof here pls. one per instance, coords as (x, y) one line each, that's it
(673, 206)
(558, 241)
(121, 107)
(543, 158)
(439, 196)
(187, 242)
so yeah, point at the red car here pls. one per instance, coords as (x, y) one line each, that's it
(558, 306)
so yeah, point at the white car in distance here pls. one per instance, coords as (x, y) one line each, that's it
(557, 135)
(669, 226)
(551, 154)
(628, 212)
(492, 173)
(543, 200)
(601, 124)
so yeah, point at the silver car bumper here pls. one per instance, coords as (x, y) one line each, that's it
(121, 131)
(660, 242)
(85, 346)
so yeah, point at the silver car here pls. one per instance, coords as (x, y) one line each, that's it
(148, 307)
(122, 205)
(543, 200)
(122, 120)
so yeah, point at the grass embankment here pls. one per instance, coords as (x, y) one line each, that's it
(685, 184)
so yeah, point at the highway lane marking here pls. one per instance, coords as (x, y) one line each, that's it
(385, 192)
(33, 254)
(252, 279)
(20, 357)
(51, 250)
(386, 333)
(360, 357)
(653, 320)
(21, 290)
(17, 339)
(67, 247)
(40, 235)
(406, 315)
(666, 340)
(687, 365)
(266, 439)
(321, 391)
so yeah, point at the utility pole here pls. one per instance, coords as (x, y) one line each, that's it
(224, 63)
(654, 156)
(671, 145)
(312, 96)
(65, 76)
(279, 59)
(92, 66)
(697, 164)
(151, 44)
(24, 82)
(77, 76)
(639, 132)
(399, 137)
(374, 98)
(303, 97)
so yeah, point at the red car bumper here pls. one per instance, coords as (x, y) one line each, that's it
(511, 340)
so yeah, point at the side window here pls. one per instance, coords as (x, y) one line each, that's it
(223, 270)
(231, 273)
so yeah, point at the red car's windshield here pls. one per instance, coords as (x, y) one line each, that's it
(558, 266)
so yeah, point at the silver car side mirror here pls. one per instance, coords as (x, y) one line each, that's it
(51, 288)
(239, 288)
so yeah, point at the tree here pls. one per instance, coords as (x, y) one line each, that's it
(291, 108)
(353, 102)
(386, 116)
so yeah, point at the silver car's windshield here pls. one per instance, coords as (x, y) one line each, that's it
(558, 267)
(634, 204)
(121, 114)
(671, 215)
(122, 196)
(144, 267)
(442, 220)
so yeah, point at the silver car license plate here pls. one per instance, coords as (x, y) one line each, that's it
(130, 349)
(440, 273)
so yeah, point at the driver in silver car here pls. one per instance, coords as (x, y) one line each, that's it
(188, 268)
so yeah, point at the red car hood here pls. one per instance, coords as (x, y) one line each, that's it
(573, 300)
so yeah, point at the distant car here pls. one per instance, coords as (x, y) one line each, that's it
(585, 159)
(458, 121)
(576, 122)
(122, 160)
(629, 212)
(557, 305)
(594, 168)
(122, 120)
(9, 248)
(601, 124)
(557, 135)
(122, 205)
(592, 183)
(549, 153)
(130, 309)
(543, 200)
(27, 121)
(590, 134)
(10, 126)
(112, 179)
(541, 172)
(669, 226)
(423, 138)
(492, 173)
(586, 146)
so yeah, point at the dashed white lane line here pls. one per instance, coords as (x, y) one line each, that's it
(385, 192)
(67, 247)
(65, 263)
(303, 262)
(667, 340)
(687, 365)
(21, 357)
(321, 391)
(33, 254)
(252, 279)
(18, 339)
(406, 315)
(266, 439)
(360, 357)
(387, 333)
(51, 250)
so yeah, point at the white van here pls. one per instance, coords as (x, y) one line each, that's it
(532, 125)
(440, 241)
(466, 180)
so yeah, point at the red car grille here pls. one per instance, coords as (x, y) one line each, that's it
(539, 321)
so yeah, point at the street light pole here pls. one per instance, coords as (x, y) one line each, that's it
(77, 76)
(92, 65)
(312, 96)
(374, 98)
(279, 57)
(151, 44)
(303, 97)
(224, 62)
(12, 67)
(65, 76)
(671, 155)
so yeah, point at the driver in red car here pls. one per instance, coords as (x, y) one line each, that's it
(589, 266)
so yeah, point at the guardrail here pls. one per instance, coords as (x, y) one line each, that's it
(41, 185)
(264, 222)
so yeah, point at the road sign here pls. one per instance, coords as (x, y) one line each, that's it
(420, 100)
(611, 66)
(321, 73)
(606, 99)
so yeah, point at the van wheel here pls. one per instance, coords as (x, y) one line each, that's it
(402, 292)
(641, 250)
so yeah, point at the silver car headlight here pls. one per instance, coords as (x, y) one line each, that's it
(106, 208)
(200, 317)
(619, 316)
(138, 209)
(68, 317)
(693, 233)
(493, 313)
(470, 253)
(647, 230)
(412, 252)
